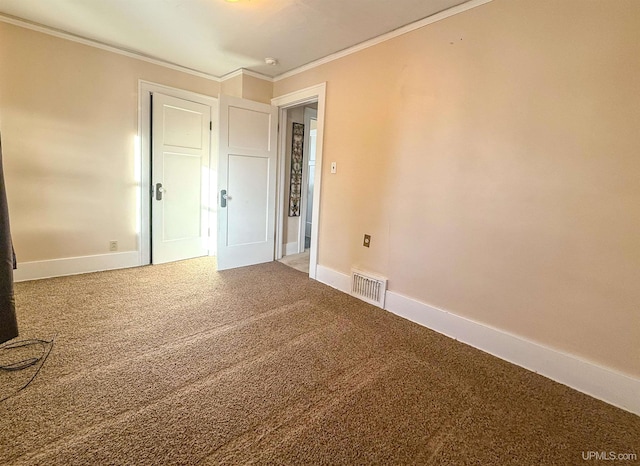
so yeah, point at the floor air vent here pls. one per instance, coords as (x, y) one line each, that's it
(368, 287)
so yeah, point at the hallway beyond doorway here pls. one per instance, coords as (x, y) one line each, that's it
(298, 261)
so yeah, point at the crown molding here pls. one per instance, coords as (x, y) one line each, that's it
(109, 48)
(245, 72)
(233, 74)
(384, 37)
(255, 74)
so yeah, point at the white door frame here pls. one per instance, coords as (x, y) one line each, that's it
(309, 114)
(142, 162)
(304, 96)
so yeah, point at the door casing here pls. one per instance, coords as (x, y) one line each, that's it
(309, 114)
(309, 95)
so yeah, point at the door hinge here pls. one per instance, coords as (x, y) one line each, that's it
(211, 126)
(209, 231)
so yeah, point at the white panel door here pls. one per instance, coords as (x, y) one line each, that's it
(180, 181)
(246, 182)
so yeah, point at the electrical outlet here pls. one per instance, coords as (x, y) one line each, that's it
(367, 241)
(113, 246)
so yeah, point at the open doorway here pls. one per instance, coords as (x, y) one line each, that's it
(293, 236)
(299, 164)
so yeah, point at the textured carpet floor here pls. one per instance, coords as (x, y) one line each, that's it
(179, 364)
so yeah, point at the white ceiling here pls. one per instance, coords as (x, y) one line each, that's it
(217, 37)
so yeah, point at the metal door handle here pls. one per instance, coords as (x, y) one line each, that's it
(159, 191)
(224, 197)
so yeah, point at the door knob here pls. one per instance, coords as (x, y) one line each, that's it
(159, 190)
(224, 197)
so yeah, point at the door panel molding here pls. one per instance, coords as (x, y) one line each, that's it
(180, 166)
(247, 180)
(142, 162)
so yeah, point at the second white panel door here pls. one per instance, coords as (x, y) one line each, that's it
(247, 177)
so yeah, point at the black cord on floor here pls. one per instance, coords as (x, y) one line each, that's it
(47, 346)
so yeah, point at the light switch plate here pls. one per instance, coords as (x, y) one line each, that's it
(334, 167)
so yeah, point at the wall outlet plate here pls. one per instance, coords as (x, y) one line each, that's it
(367, 241)
(113, 246)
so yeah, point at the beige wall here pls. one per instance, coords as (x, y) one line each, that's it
(257, 89)
(248, 87)
(232, 86)
(69, 117)
(494, 158)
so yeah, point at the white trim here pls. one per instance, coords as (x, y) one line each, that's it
(246, 72)
(301, 96)
(144, 129)
(585, 376)
(291, 248)
(338, 280)
(280, 180)
(309, 114)
(109, 48)
(384, 37)
(231, 75)
(74, 265)
(311, 94)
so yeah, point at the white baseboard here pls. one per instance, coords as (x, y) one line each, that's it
(599, 382)
(337, 280)
(75, 265)
(291, 248)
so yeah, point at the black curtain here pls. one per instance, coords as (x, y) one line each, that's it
(8, 321)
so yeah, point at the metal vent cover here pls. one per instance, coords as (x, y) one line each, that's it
(368, 287)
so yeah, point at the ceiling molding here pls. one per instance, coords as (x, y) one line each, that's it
(109, 48)
(231, 75)
(243, 71)
(255, 74)
(246, 72)
(384, 37)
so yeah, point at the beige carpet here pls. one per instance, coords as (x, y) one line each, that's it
(298, 261)
(178, 364)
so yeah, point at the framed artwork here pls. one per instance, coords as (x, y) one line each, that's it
(295, 186)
